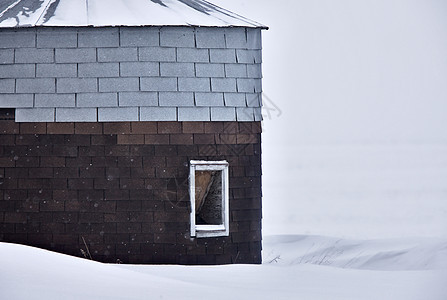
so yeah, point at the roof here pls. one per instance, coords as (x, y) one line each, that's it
(100, 13)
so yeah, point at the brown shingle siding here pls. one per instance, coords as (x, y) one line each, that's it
(123, 187)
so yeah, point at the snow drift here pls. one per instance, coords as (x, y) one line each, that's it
(31, 273)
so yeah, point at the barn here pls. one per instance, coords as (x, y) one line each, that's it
(130, 130)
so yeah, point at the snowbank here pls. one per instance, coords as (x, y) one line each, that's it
(30, 273)
(385, 254)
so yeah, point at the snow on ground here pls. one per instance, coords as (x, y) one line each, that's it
(384, 254)
(30, 273)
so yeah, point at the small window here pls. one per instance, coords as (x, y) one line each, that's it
(208, 182)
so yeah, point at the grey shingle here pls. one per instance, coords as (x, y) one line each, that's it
(129, 84)
(223, 84)
(155, 84)
(156, 54)
(236, 70)
(57, 38)
(249, 56)
(253, 99)
(97, 100)
(222, 55)
(138, 99)
(76, 85)
(35, 115)
(258, 85)
(254, 38)
(6, 56)
(7, 86)
(193, 55)
(158, 114)
(36, 85)
(56, 70)
(98, 70)
(98, 37)
(75, 55)
(33, 55)
(16, 100)
(117, 54)
(139, 69)
(54, 100)
(236, 38)
(177, 69)
(258, 114)
(140, 37)
(11, 39)
(209, 99)
(223, 114)
(118, 114)
(245, 114)
(194, 84)
(210, 38)
(76, 114)
(17, 71)
(246, 85)
(254, 71)
(177, 37)
(210, 70)
(234, 99)
(194, 114)
(176, 99)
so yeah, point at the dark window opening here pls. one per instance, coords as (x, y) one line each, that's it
(208, 196)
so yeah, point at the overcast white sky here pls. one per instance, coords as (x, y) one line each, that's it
(353, 71)
(365, 81)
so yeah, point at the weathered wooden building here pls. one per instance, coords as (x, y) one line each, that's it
(130, 130)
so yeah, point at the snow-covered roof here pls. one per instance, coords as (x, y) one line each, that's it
(26, 13)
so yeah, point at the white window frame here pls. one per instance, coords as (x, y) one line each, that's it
(209, 230)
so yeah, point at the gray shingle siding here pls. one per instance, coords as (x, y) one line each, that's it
(131, 74)
(194, 84)
(75, 55)
(16, 100)
(223, 114)
(97, 100)
(209, 99)
(25, 38)
(194, 114)
(35, 115)
(236, 38)
(36, 85)
(139, 37)
(7, 86)
(56, 70)
(109, 114)
(117, 54)
(108, 37)
(17, 71)
(57, 38)
(76, 114)
(34, 55)
(138, 99)
(139, 69)
(6, 56)
(99, 70)
(158, 113)
(177, 37)
(77, 85)
(156, 54)
(55, 100)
